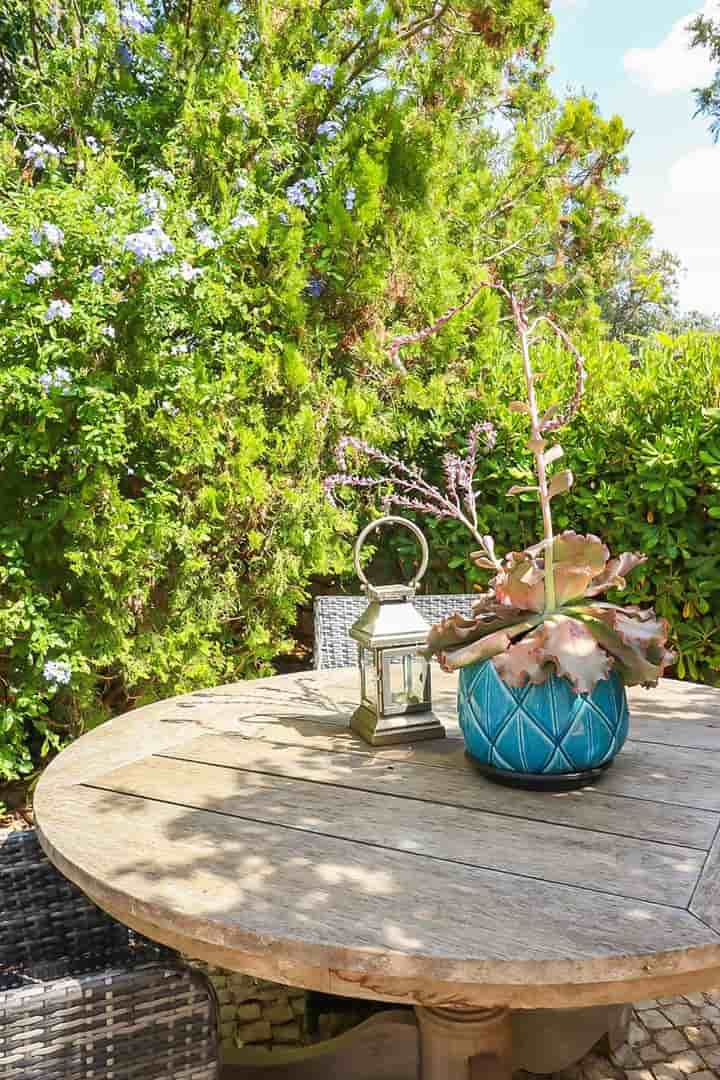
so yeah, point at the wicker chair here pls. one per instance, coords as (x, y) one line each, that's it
(334, 615)
(82, 996)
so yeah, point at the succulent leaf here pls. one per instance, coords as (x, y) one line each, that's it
(523, 662)
(553, 454)
(483, 648)
(571, 582)
(480, 559)
(456, 630)
(522, 584)
(570, 646)
(560, 483)
(613, 576)
(577, 550)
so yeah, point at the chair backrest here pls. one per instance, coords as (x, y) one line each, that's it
(334, 615)
(43, 916)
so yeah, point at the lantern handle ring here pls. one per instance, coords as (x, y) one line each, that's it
(392, 519)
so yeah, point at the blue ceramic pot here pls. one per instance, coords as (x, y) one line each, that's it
(543, 731)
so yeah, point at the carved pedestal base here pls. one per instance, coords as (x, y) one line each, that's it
(548, 1040)
(487, 1044)
(465, 1044)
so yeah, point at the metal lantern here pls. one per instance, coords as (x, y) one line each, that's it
(396, 704)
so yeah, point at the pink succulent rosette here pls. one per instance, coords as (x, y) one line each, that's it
(581, 638)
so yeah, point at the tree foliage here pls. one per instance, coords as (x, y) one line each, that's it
(705, 31)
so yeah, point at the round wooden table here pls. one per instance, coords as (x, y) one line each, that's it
(248, 826)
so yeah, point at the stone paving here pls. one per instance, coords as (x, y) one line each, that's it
(670, 1039)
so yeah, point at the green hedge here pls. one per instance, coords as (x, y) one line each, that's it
(645, 451)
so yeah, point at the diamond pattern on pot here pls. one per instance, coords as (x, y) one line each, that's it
(540, 729)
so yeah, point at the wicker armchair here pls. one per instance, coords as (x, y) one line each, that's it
(82, 996)
(334, 615)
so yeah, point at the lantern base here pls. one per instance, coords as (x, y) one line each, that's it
(387, 730)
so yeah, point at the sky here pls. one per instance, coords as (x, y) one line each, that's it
(633, 57)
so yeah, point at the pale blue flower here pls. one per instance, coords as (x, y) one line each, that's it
(315, 287)
(169, 408)
(164, 176)
(149, 244)
(41, 270)
(349, 199)
(47, 231)
(322, 75)
(99, 18)
(179, 348)
(240, 111)
(108, 332)
(244, 220)
(330, 128)
(57, 673)
(282, 216)
(205, 236)
(97, 275)
(188, 272)
(124, 55)
(92, 143)
(5, 231)
(40, 150)
(57, 379)
(164, 52)
(151, 203)
(240, 182)
(133, 18)
(234, 8)
(58, 309)
(301, 191)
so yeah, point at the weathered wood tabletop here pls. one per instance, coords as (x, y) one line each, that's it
(247, 825)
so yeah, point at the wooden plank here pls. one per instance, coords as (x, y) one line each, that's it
(706, 900)
(676, 776)
(350, 906)
(408, 774)
(634, 868)
(676, 714)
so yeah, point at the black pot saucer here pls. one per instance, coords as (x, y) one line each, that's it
(552, 782)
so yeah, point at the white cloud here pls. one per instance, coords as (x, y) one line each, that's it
(686, 222)
(672, 65)
(696, 173)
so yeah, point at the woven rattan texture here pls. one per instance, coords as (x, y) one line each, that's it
(334, 615)
(83, 997)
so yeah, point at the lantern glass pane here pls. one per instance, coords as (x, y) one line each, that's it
(406, 680)
(368, 677)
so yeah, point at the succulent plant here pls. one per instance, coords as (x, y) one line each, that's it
(540, 616)
(580, 638)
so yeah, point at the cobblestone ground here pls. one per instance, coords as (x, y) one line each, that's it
(670, 1039)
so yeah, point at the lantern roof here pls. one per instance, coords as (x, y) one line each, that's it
(390, 619)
